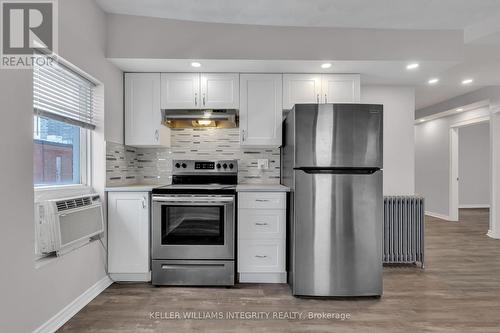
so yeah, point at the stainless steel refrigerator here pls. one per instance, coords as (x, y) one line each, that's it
(332, 161)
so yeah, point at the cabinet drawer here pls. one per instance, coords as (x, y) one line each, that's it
(261, 255)
(262, 200)
(258, 224)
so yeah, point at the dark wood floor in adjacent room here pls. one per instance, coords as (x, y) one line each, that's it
(459, 291)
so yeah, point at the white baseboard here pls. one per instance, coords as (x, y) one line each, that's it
(475, 206)
(279, 277)
(437, 215)
(131, 277)
(72, 308)
(491, 234)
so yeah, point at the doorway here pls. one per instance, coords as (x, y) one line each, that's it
(470, 183)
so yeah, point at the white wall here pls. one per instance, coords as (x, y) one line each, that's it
(31, 296)
(160, 38)
(474, 165)
(399, 151)
(432, 159)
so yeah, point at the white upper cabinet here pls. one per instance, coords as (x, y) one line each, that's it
(340, 88)
(143, 127)
(320, 88)
(220, 91)
(199, 91)
(261, 110)
(180, 90)
(301, 88)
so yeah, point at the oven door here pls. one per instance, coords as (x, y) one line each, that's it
(193, 227)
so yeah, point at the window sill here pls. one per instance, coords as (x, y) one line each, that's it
(50, 188)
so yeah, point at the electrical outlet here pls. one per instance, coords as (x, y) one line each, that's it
(263, 163)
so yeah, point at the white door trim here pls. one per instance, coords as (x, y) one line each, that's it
(453, 205)
(494, 231)
(454, 181)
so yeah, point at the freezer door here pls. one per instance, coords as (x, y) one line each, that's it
(339, 135)
(336, 245)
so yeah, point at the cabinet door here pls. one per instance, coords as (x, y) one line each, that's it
(128, 232)
(301, 88)
(220, 91)
(260, 110)
(142, 110)
(180, 91)
(340, 88)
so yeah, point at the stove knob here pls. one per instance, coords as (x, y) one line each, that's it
(218, 165)
(184, 165)
(177, 165)
(224, 166)
(231, 165)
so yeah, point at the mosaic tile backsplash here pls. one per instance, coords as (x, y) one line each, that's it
(127, 165)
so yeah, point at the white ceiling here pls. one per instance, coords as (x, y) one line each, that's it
(391, 14)
(478, 19)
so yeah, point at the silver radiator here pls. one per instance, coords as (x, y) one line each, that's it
(403, 230)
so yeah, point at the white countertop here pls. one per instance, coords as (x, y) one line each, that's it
(261, 188)
(132, 188)
(239, 188)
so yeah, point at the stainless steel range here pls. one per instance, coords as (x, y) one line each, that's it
(193, 225)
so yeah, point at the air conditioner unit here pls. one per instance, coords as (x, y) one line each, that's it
(63, 224)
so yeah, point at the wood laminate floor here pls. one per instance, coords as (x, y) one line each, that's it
(459, 291)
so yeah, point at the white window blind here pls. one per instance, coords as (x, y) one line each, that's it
(62, 94)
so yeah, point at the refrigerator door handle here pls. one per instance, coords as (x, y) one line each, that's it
(338, 171)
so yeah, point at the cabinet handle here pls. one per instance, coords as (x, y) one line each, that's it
(326, 99)
(261, 200)
(242, 135)
(317, 98)
(144, 202)
(157, 135)
(203, 99)
(259, 223)
(195, 99)
(260, 256)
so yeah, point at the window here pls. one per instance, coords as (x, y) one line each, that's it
(57, 149)
(63, 103)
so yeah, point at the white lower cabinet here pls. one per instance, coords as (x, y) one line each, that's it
(262, 237)
(128, 236)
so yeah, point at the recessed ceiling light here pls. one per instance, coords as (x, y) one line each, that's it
(467, 81)
(433, 80)
(326, 65)
(412, 66)
(422, 120)
(195, 64)
(459, 109)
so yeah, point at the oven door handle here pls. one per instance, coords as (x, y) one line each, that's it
(193, 199)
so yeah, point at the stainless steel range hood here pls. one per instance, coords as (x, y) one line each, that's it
(227, 118)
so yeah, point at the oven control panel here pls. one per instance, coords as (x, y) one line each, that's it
(204, 165)
(193, 166)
